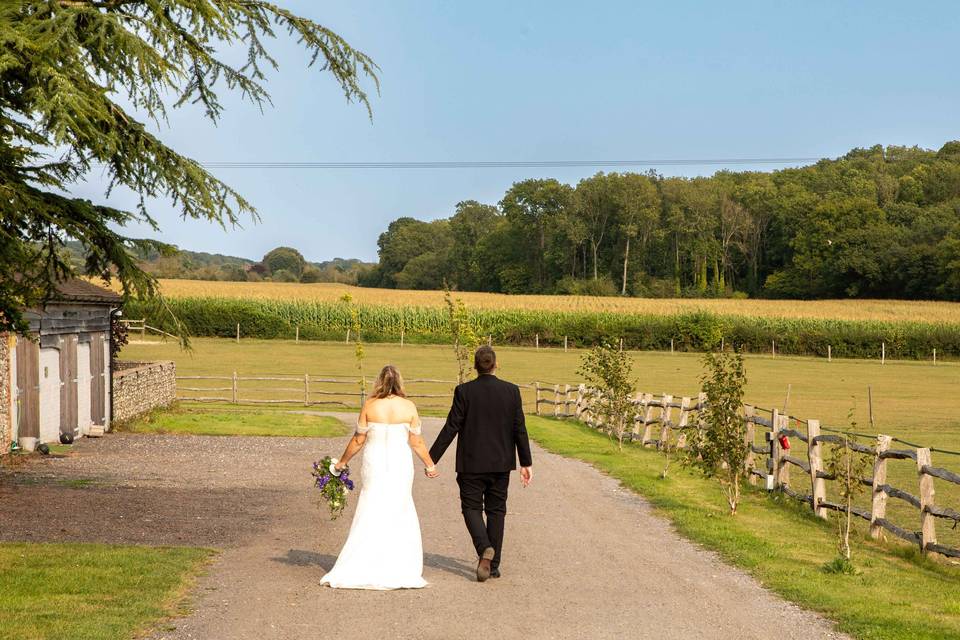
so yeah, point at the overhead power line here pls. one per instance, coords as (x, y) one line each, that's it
(499, 164)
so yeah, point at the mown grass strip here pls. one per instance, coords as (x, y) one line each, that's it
(897, 595)
(91, 591)
(236, 421)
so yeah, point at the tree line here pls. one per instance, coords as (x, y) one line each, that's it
(882, 222)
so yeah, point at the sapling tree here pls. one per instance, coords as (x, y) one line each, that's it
(719, 450)
(355, 327)
(847, 467)
(610, 372)
(463, 336)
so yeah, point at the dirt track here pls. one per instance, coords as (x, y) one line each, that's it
(583, 557)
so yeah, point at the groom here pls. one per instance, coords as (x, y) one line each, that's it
(487, 415)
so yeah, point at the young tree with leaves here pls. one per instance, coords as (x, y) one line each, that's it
(462, 334)
(609, 372)
(719, 450)
(847, 467)
(65, 69)
(355, 328)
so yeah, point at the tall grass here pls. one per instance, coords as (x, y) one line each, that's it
(686, 330)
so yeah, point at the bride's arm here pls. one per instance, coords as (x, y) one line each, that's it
(357, 441)
(419, 446)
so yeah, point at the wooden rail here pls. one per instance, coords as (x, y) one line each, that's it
(771, 462)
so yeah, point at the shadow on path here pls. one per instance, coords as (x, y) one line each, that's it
(450, 565)
(301, 558)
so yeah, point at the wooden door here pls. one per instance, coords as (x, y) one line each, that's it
(28, 388)
(98, 379)
(68, 385)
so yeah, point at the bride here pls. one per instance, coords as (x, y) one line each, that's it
(384, 549)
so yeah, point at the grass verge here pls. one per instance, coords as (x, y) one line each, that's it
(91, 591)
(895, 595)
(240, 421)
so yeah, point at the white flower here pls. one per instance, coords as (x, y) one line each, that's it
(333, 467)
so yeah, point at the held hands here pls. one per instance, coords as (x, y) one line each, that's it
(526, 476)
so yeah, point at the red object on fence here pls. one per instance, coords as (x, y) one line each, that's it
(784, 442)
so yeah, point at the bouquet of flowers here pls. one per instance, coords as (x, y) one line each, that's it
(333, 484)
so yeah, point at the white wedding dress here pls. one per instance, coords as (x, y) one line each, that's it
(384, 549)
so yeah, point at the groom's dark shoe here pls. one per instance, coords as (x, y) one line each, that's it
(483, 567)
(494, 573)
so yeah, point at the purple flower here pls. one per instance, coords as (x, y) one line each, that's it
(349, 484)
(344, 475)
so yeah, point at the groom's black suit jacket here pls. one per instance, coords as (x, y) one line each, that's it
(487, 419)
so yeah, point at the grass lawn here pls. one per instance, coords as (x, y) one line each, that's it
(245, 421)
(897, 595)
(91, 591)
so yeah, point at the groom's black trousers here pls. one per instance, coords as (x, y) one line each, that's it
(485, 493)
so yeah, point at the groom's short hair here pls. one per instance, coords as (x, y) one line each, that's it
(485, 360)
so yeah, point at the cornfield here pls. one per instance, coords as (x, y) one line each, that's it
(686, 329)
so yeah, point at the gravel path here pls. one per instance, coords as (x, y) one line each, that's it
(583, 557)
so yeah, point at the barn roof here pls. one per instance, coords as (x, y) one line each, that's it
(77, 290)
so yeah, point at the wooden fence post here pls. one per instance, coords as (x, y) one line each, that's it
(928, 530)
(878, 508)
(773, 462)
(934, 356)
(536, 341)
(581, 389)
(143, 332)
(536, 387)
(306, 389)
(621, 345)
(671, 345)
(556, 401)
(238, 333)
(566, 401)
(749, 435)
(347, 341)
(647, 419)
(818, 485)
(783, 471)
(665, 411)
(883, 353)
(682, 422)
(402, 335)
(637, 402)
(829, 353)
(773, 348)
(296, 337)
(363, 390)
(564, 344)
(234, 388)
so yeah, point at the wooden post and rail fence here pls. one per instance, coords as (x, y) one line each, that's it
(771, 462)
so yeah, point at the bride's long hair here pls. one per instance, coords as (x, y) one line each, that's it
(388, 383)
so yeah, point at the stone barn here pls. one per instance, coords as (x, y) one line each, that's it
(58, 377)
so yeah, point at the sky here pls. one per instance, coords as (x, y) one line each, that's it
(535, 81)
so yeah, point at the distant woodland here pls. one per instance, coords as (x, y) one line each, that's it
(882, 222)
(283, 264)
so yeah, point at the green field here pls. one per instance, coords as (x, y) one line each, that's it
(896, 596)
(911, 400)
(91, 591)
(207, 421)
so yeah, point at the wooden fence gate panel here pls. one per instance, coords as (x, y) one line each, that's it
(28, 388)
(68, 385)
(97, 381)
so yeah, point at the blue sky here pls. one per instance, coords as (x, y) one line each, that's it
(557, 81)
